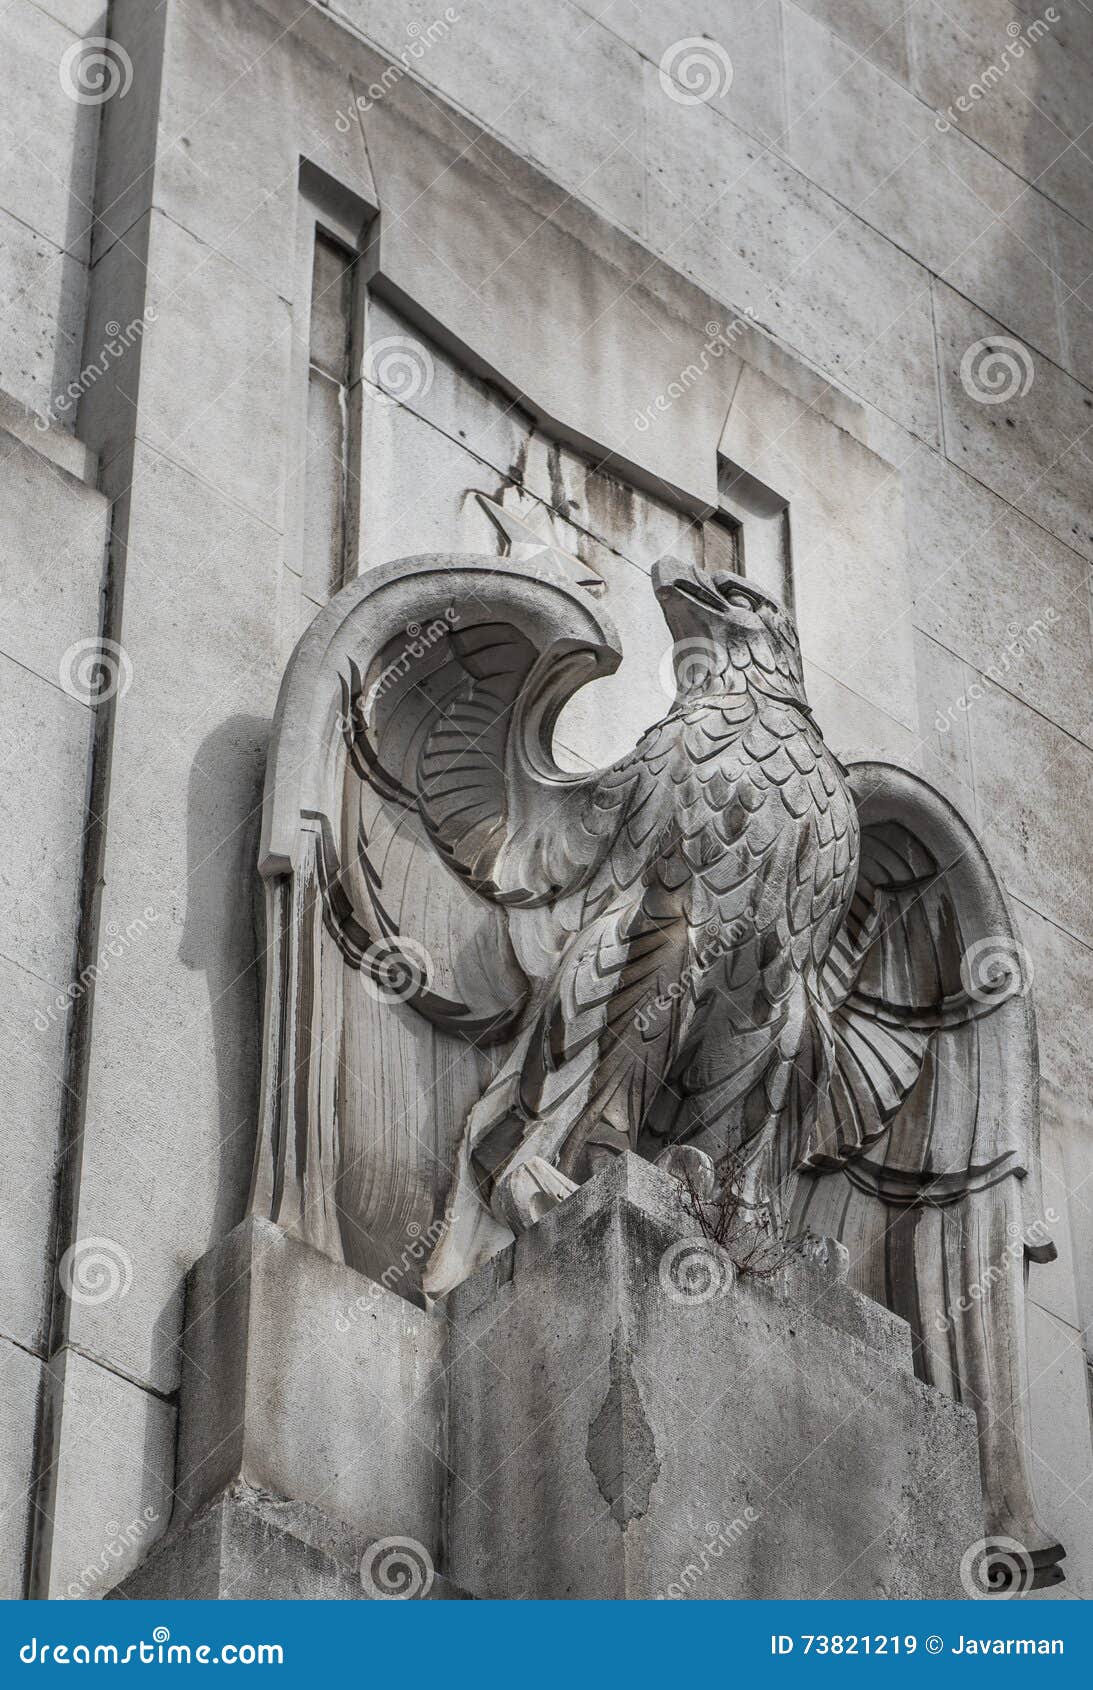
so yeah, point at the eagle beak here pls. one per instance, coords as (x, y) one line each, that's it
(671, 578)
(664, 574)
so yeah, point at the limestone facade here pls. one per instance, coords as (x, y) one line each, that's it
(284, 286)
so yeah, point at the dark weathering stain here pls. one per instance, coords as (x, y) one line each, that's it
(621, 1449)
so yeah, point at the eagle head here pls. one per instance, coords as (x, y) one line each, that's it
(729, 633)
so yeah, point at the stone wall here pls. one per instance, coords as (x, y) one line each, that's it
(525, 199)
(53, 530)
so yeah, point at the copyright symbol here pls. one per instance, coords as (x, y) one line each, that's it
(934, 1645)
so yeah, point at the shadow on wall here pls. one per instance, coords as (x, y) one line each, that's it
(220, 936)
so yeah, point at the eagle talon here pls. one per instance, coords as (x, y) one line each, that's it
(529, 1191)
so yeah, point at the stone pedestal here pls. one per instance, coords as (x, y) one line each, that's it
(630, 1420)
(609, 1410)
(311, 1430)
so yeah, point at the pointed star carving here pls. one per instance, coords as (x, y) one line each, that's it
(525, 546)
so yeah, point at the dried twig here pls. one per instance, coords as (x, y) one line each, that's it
(745, 1233)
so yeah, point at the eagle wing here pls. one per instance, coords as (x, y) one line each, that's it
(412, 774)
(924, 1154)
(388, 956)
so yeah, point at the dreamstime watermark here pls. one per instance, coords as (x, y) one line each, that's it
(421, 1246)
(118, 341)
(94, 69)
(395, 970)
(156, 1651)
(695, 1271)
(400, 369)
(118, 1540)
(718, 1539)
(996, 370)
(723, 938)
(996, 1567)
(1021, 37)
(396, 1569)
(688, 664)
(116, 945)
(422, 37)
(695, 70)
(94, 1271)
(719, 340)
(95, 670)
(996, 968)
(419, 642)
(1019, 642)
(1019, 1238)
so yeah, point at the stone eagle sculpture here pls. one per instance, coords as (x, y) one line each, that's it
(486, 975)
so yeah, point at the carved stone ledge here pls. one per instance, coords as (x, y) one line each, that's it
(248, 1545)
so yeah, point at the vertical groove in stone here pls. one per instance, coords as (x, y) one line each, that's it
(109, 430)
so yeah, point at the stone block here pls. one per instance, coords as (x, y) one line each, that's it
(129, 135)
(84, 17)
(473, 414)
(32, 1034)
(1065, 1288)
(856, 728)
(944, 680)
(635, 524)
(204, 359)
(265, 103)
(568, 97)
(498, 435)
(1053, 1286)
(631, 1420)
(117, 307)
(169, 1135)
(214, 364)
(997, 591)
(53, 532)
(747, 226)
(1027, 108)
(305, 1380)
(748, 89)
(48, 137)
(1062, 975)
(1066, 1121)
(48, 439)
(847, 540)
(544, 294)
(1062, 1439)
(249, 1546)
(1014, 420)
(1073, 264)
(404, 512)
(879, 151)
(875, 28)
(44, 291)
(107, 1492)
(44, 742)
(20, 1381)
(1040, 849)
